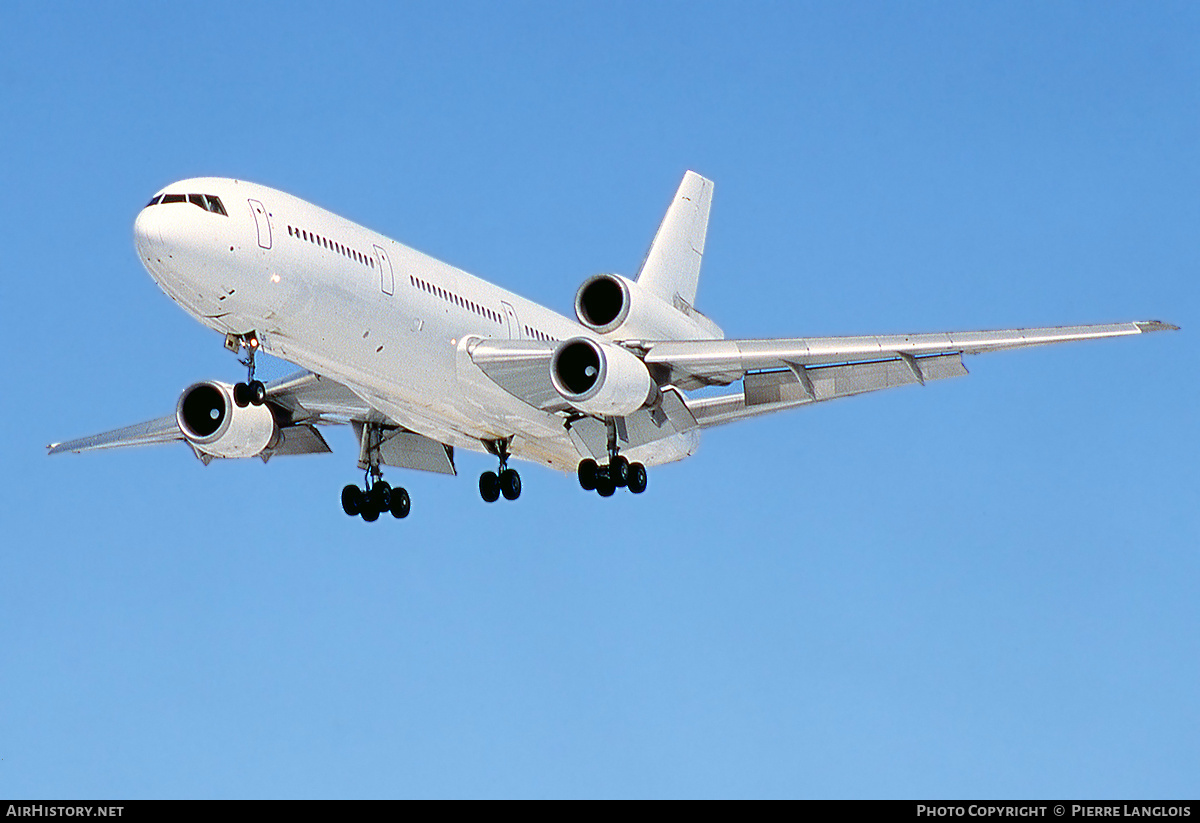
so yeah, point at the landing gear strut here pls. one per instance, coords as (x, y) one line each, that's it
(506, 481)
(377, 496)
(605, 480)
(252, 392)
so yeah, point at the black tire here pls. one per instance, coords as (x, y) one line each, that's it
(401, 505)
(381, 495)
(489, 487)
(258, 392)
(618, 470)
(510, 484)
(352, 500)
(241, 395)
(369, 512)
(587, 474)
(604, 487)
(637, 478)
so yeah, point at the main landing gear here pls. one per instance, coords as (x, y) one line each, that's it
(605, 480)
(377, 497)
(252, 392)
(506, 481)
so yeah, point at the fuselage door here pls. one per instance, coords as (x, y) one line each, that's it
(387, 280)
(514, 325)
(263, 222)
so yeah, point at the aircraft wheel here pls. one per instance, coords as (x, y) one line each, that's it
(352, 500)
(489, 487)
(510, 484)
(618, 469)
(257, 392)
(587, 474)
(381, 495)
(637, 478)
(604, 486)
(369, 512)
(400, 503)
(241, 395)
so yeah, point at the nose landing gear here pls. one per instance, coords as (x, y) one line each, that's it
(506, 481)
(252, 392)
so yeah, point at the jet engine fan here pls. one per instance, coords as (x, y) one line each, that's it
(215, 425)
(615, 306)
(601, 378)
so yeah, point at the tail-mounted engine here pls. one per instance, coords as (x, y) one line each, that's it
(601, 378)
(215, 425)
(617, 307)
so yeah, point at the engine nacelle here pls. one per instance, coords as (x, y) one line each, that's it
(615, 306)
(215, 425)
(601, 378)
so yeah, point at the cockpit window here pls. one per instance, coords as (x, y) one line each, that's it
(208, 202)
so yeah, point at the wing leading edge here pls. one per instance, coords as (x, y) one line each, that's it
(695, 363)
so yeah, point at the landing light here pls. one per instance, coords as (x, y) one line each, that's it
(274, 278)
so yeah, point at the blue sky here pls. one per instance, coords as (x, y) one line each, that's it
(983, 588)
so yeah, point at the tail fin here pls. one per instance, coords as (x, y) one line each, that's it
(671, 269)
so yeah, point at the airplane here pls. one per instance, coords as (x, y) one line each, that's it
(422, 359)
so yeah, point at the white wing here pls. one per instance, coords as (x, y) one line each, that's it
(784, 373)
(300, 403)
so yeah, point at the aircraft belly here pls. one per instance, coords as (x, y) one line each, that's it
(411, 369)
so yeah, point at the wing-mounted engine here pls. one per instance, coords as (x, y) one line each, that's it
(217, 426)
(601, 378)
(619, 308)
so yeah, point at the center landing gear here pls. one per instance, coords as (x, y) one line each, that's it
(377, 497)
(605, 480)
(506, 482)
(252, 392)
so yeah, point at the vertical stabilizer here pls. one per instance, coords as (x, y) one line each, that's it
(671, 269)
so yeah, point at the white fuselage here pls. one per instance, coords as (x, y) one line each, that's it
(335, 298)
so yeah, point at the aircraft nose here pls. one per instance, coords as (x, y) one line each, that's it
(147, 234)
